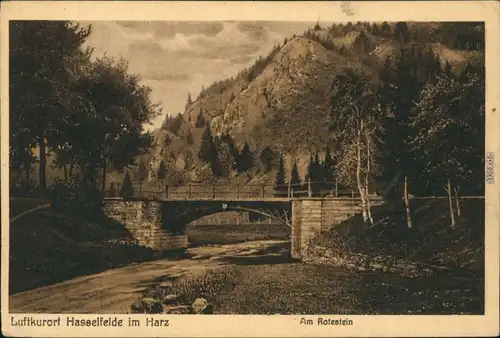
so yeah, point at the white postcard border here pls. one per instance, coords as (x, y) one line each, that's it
(275, 325)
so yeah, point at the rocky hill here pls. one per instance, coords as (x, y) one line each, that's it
(283, 101)
(294, 84)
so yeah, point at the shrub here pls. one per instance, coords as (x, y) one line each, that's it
(76, 197)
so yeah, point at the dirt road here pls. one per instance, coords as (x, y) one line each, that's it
(114, 290)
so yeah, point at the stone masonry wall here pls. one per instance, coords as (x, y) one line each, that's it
(143, 220)
(296, 228)
(336, 211)
(310, 221)
(312, 216)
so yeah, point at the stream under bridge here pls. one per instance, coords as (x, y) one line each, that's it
(158, 218)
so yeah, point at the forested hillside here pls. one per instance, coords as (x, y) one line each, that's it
(406, 90)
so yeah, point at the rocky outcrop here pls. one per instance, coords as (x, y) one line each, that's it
(293, 86)
(157, 152)
(202, 306)
(171, 304)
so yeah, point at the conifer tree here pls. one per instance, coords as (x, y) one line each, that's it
(142, 172)
(280, 187)
(200, 121)
(226, 138)
(328, 169)
(294, 177)
(189, 137)
(447, 69)
(266, 158)
(318, 174)
(225, 159)
(385, 29)
(245, 159)
(329, 165)
(401, 32)
(310, 169)
(207, 148)
(189, 100)
(112, 190)
(127, 190)
(162, 171)
(385, 73)
(208, 152)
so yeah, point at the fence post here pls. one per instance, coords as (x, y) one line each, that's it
(238, 187)
(213, 191)
(263, 190)
(189, 190)
(352, 193)
(140, 189)
(336, 188)
(166, 192)
(309, 191)
(289, 189)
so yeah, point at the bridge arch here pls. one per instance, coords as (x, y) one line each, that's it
(161, 224)
(181, 214)
(280, 215)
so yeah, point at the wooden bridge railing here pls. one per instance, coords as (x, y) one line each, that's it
(234, 191)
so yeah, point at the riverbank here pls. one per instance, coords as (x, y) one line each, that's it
(430, 246)
(114, 290)
(262, 279)
(260, 284)
(48, 248)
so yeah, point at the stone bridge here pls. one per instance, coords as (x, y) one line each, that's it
(161, 224)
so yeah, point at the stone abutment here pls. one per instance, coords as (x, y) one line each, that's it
(143, 219)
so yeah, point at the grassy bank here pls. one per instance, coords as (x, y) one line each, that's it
(199, 235)
(431, 240)
(299, 288)
(46, 248)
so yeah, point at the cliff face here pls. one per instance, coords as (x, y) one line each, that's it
(283, 102)
(285, 106)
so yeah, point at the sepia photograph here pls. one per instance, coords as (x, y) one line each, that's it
(245, 167)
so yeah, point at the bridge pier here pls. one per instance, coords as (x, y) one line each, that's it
(296, 229)
(312, 216)
(143, 219)
(306, 224)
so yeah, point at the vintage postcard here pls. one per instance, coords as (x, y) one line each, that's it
(250, 169)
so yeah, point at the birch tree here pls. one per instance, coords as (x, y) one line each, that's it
(355, 113)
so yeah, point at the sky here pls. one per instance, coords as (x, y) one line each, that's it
(175, 58)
